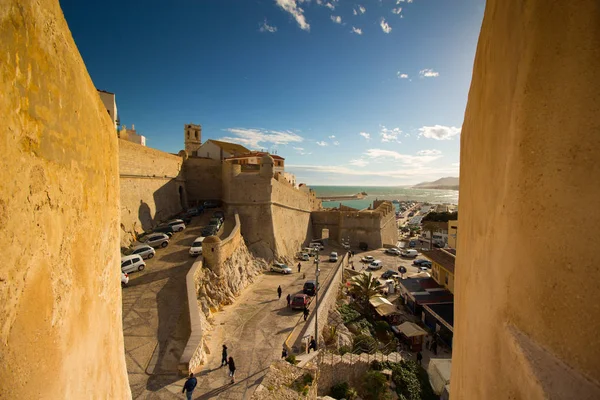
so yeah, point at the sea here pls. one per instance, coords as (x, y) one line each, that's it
(435, 196)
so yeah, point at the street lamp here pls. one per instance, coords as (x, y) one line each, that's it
(317, 260)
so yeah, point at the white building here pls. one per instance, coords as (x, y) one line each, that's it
(131, 135)
(218, 150)
(110, 103)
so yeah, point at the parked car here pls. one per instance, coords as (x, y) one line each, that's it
(333, 257)
(317, 246)
(209, 230)
(157, 240)
(216, 222)
(304, 257)
(281, 268)
(367, 259)
(422, 263)
(419, 261)
(211, 204)
(377, 264)
(388, 274)
(423, 269)
(164, 229)
(310, 288)
(177, 224)
(219, 214)
(196, 248)
(195, 211)
(412, 243)
(132, 263)
(143, 250)
(300, 300)
(393, 251)
(410, 253)
(124, 279)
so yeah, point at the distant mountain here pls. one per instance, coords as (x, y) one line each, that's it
(448, 183)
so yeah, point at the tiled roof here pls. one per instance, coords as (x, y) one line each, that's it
(233, 148)
(441, 257)
(255, 154)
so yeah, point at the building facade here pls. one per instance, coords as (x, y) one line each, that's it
(110, 103)
(217, 150)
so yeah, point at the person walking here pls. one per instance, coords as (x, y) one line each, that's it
(434, 346)
(312, 344)
(289, 299)
(231, 369)
(299, 267)
(284, 353)
(305, 312)
(419, 357)
(224, 356)
(189, 386)
(279, 291)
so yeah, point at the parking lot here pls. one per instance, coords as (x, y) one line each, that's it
(389, 262)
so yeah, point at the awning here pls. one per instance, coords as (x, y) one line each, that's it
(387, 309)
(377, 301)
(409, 329)
(439, 373)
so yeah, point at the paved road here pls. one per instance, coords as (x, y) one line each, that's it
(155, 319)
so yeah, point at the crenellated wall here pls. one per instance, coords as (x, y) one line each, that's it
(61, 334)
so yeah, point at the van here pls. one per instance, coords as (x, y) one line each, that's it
(310, 288)
(410, 253)
(377, 264)
(132, 263)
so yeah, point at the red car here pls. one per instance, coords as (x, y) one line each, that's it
(300, 300)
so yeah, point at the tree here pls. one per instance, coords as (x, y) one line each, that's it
(375, 386)
(365, 286)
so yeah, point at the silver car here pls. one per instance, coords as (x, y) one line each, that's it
(143, 250)
(157, 240)
(177, 224)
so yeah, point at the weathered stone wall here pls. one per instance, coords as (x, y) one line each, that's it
(217, 252)
(60, 313)
(203, 179)
(526, 306)
(150, 188)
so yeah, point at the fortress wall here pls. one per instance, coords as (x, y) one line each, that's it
(60, 297)
(150, 180)
(526, 316)
(203, 179)
(326, 220)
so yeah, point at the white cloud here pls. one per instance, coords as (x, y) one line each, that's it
(385, 26)
(390, 135)
(336, 19)
(397, 10)
(358, 31)
(429, 152)
(422, 172)
(330, 6)
(355, 12)
(331, 136)
(320, 2)
(300, 150)
(428, 73)
(359, 163)
(253, 137)
(365, 135)
(409, 1)
(405, 159)
(298, 13)
(362, 9)
(399, 1)
(402, 76)
(439, 132)
(267, 28)
(336, 143)
(322, 143)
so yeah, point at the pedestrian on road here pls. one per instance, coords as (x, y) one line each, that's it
(279, 291)
(289, 299)
(284, 352)
(312, 344)
(419, 357)
(224, 356)
(189, 386)
(299, 266)
(231, 369)
(305, 312)
(434, 346)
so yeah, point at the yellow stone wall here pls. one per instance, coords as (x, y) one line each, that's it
(526, 305)
(60, 297)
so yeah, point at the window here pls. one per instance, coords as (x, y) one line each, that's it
(126, 263)
(196, 135)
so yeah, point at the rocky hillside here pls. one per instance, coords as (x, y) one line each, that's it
(448, 183)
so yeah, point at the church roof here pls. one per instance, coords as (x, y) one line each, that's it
(232, 148)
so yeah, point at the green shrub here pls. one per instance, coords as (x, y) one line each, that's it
(351, 394)
(364, 344)
(412, 382)
(348, 313)
(307, 379)
(381, 327)
(340, 390)
(376, 365)
(375, 386)
(345, 349)
(363, 325)
(291, 359)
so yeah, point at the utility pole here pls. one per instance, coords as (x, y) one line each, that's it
(317, 260)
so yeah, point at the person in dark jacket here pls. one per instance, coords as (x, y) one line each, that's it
(224, 356)
(299, 267)
(305, 312)
(419, 357)
(279, 291)
(284, 352)
(289, 299)
(231, 369)
(189, 386)
(312, 344)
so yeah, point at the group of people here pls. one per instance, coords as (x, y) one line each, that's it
(305, 311)
(191, 382)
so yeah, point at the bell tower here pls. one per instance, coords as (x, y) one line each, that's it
(192, 138)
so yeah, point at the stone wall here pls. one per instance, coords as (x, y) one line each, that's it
(526, 305)
(202, 179)
(60, 313)
(216, 252)
(152, 188)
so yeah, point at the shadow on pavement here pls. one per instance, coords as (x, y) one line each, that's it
(216, 392)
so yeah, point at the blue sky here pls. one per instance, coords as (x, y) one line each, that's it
(348, 92)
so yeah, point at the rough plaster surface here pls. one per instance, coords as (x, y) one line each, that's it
(60, 313)
(530, 147)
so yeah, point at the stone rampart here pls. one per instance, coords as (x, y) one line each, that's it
(203, 179)
(61, 333)
(152, 188)
(216, 252)
(193, 353)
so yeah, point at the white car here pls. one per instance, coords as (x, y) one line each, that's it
(410, 253)
(392, 250)
(333, 257)
(124, 279)
(377, 264)
(304, 257)
(367, 259)
(132, 263)
(143, 250)
(157, 240)
(177, 224)
(196, 248)
(281, 268)
(317, 246)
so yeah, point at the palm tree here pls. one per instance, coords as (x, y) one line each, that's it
(365, 286)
